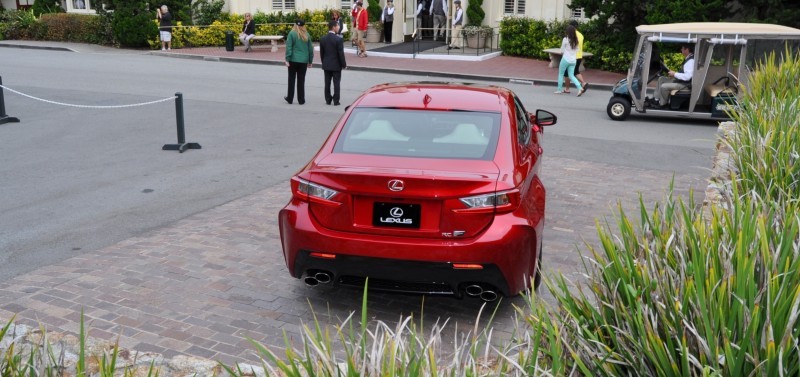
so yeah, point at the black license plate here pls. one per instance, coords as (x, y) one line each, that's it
(397, 215)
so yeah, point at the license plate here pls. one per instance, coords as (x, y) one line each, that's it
(399, 215)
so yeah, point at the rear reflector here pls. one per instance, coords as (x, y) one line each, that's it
(323, 255)
(467, 266)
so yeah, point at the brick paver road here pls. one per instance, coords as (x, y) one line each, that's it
(204, 284)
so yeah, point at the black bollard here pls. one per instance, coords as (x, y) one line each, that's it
(4, 118)
(182, 144)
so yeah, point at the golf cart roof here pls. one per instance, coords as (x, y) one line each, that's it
(765, 31)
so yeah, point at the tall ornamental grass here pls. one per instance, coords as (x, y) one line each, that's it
(767, 141)
(672, 293)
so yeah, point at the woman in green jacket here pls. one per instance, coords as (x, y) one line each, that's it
(299, 56)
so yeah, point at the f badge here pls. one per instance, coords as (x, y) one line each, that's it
(396, 185)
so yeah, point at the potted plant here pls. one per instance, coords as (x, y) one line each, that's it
(375, 27)
(474, 32)
(477, 36)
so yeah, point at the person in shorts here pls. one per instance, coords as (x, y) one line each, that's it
(165, 28)
(360, 23)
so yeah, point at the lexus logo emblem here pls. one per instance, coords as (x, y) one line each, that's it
(396, 185)
(396, 212)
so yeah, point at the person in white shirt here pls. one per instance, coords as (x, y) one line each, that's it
(458, 22)
(387, 19)
(569, 57)
(676, 80)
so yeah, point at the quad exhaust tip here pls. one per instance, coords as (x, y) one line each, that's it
(487, 293)
(314, 278)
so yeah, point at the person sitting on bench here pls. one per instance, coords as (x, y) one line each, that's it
(676, 80)
(248, 31)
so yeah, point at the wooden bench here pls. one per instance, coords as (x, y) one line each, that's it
(273, 40)
(555, 58)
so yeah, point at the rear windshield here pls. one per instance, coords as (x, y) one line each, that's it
(420, 133)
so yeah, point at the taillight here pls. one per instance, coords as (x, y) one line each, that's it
(502, 201)
(305, 190)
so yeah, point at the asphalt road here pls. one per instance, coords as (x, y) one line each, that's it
(77, 179)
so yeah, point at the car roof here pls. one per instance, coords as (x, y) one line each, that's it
(768, 31)
(437, 96)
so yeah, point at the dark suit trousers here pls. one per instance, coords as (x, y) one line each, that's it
(336, 76)
(297, 72)
(387, 31)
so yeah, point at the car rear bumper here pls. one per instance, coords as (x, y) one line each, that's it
(506, 250)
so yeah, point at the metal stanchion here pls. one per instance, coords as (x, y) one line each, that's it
(4, 118)
(182, 144)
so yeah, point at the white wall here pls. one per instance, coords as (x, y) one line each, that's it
(541, 9)
(10, 4)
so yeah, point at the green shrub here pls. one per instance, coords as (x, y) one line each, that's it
(266, 24)
(72, 27)
(475, 13)
(374, 10)
(21, 24)
(529, 37)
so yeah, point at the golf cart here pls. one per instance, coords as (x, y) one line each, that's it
(724, 55)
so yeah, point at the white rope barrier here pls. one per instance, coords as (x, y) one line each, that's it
(88, 106)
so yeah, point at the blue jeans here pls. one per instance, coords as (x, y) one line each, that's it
(564, 66)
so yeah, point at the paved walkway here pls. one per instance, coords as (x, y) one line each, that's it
(205, 284)
(432, 63)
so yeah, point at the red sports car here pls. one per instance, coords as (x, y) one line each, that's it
(423, 187)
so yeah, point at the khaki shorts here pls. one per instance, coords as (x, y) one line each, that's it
(360, 35)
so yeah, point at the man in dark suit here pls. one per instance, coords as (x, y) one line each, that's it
(331, 51)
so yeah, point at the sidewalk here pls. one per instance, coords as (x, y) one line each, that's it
(499, 68)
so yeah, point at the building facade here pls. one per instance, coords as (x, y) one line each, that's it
(495, 10)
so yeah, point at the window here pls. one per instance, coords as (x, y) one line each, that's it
(283, 4)
(514, 7)
(576, 13)
(78, 6)
(346, 4)
(523, 125)
(462, 135)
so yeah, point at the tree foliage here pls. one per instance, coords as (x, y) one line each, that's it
(204, 12)
(132, 22)
(181, 10)
(781, 12)
(41, 7)
(616, 20)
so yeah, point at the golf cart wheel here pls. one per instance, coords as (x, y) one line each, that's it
(618, 108)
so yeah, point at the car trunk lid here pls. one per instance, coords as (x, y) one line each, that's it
(415, 201)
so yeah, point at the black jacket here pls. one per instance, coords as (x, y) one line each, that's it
(331, 51)
(249, 27)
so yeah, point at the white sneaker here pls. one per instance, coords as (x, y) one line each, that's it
(169, 49)
(163, 49)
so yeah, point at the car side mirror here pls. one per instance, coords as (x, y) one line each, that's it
(543, 118)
